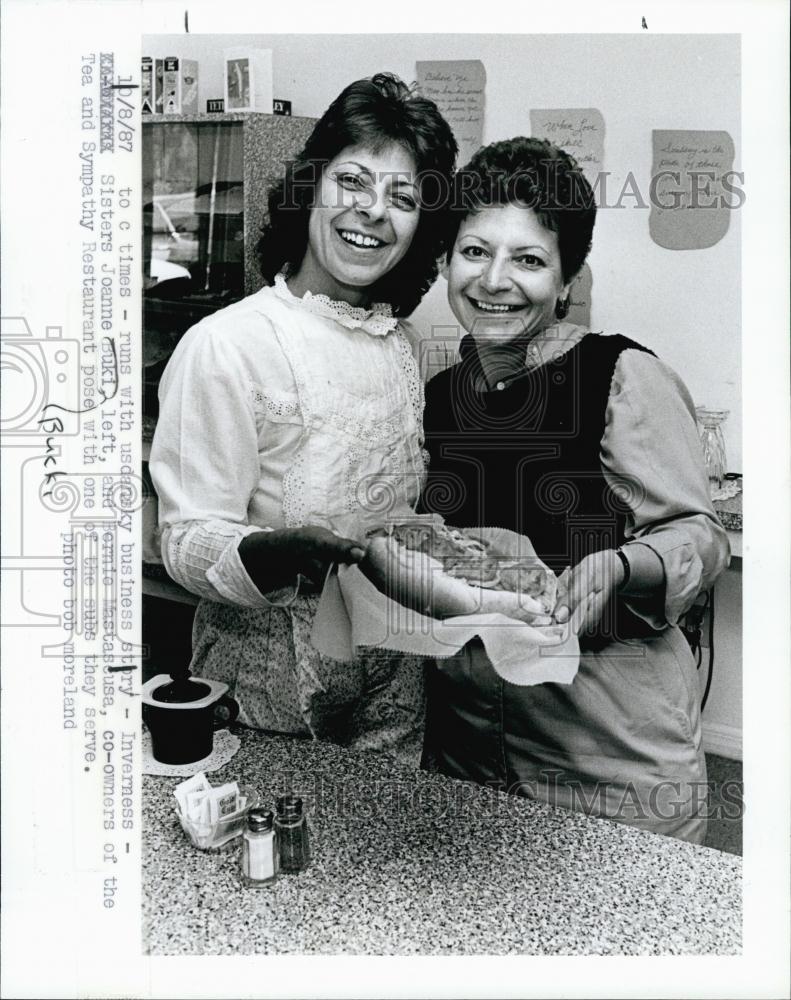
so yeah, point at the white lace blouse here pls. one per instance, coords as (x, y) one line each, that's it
(279, 411)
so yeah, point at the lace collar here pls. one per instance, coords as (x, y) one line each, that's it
(378, 320)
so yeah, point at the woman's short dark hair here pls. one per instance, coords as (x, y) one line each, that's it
(539, 175)
(373, 113)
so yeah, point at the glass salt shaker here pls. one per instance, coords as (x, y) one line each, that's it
(260, 859)
(710, 426)
(292, 834)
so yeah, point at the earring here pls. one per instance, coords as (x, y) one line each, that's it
(562, 307)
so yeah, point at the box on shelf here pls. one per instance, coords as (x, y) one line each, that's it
(170, 86)
(147, 86)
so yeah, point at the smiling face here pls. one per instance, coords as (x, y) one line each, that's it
(366, 213)
(505, 275)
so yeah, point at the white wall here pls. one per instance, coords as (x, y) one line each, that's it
(685, 305)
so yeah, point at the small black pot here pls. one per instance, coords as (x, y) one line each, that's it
(183, 731)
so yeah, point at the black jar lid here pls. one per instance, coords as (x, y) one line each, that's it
(181, 691)
(260, 820)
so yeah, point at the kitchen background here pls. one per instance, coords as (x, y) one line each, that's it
(683, 304)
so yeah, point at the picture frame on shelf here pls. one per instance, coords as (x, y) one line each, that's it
(248, 80)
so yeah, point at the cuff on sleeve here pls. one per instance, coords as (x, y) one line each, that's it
(203, 557)
(231, 580)
(683, 579)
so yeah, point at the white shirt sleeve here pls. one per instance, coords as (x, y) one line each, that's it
(651, 455)
(205, 466)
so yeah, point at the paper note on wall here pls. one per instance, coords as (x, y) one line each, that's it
(693, 188)
(458, 88)
(248, 80)
(580, 131)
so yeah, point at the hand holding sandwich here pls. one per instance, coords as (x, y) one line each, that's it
(585, 589)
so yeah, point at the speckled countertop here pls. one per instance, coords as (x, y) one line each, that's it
(413, 863)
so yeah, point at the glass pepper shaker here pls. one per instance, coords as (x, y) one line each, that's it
(260, 859)
(292, 834)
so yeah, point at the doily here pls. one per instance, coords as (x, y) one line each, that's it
(378, 320)
(225, 747)
(729, 489)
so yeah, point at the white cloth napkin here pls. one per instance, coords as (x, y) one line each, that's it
(352, 612)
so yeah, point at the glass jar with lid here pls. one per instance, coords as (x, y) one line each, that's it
(710, 427)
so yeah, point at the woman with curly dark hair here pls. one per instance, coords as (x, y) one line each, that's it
(372, 113)
(285, 417)
(587, 444)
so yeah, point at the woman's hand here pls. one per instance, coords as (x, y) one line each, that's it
(274, 558)
(584, 590)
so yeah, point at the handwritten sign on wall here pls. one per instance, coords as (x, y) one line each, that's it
(458, 88)
(580, 131)
(693, 188)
